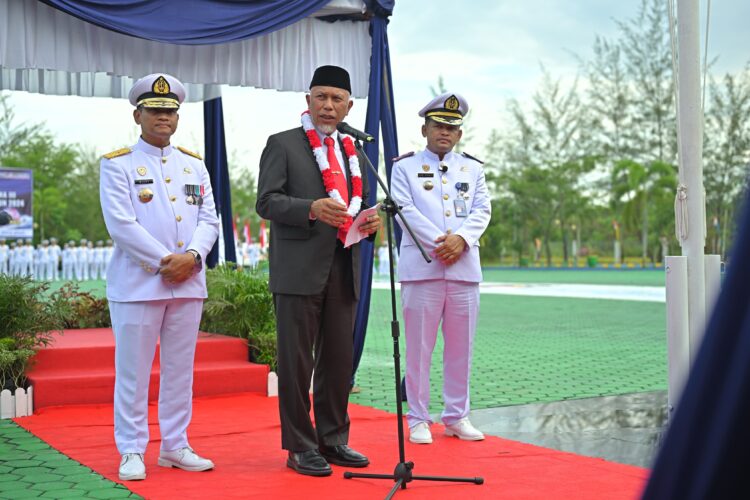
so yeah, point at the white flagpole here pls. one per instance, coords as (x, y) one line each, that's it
(691, 165)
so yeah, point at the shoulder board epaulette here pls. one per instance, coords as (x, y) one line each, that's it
(405, 155)
(467, 155)
(118, 152)
(190, 153)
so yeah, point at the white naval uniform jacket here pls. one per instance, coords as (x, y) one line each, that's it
(431, 213)
(146, 232)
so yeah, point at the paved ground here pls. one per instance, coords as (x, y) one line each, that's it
(626, 428)
(29, 468)
(536, 360)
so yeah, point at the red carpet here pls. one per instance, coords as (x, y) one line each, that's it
(79, 367)
(240, 433)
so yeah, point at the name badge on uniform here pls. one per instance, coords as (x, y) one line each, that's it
(460, 208)
(194, 194)
(144, 181)
(429, 174)
(459, 204)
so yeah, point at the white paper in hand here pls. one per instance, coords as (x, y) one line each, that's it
(355, 235)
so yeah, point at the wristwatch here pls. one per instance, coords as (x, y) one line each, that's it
(196, 256)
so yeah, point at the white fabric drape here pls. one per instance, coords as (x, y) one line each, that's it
(47, 51)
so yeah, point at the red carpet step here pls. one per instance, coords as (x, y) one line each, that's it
(78, 367)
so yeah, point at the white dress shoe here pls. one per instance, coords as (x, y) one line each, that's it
(464, 430)
(132, 467)
(420, 433)
(185, 459)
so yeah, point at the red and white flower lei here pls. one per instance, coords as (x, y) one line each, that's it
(320, 157)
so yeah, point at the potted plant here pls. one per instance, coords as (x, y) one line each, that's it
(81, 309)
(28, 318)
(239, 304)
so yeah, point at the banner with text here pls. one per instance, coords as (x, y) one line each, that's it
(16, 189)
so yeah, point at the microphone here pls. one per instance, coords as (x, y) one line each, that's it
(443, 167)
(345, 128)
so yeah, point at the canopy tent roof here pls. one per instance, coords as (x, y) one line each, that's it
(51, 50)
(47, 51)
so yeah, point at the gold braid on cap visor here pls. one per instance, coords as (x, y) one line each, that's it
(445, 117)
(158, 102)
(448, 114)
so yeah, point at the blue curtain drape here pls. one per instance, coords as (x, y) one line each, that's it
(190, 22)
(707, 447)
(380, 112)
(218, 170)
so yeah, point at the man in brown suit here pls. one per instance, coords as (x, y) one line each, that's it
(309, 187)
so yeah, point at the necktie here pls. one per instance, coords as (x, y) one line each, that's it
(338, 176)
(338, 179)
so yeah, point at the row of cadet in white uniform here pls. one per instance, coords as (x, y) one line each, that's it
(49, 262)
(250, 255)
(88, 262)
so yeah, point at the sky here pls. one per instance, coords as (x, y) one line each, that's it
(489, 51)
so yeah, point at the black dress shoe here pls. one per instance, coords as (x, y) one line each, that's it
(341, 454)
(309, 463)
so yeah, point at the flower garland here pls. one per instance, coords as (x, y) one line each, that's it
(320, 157)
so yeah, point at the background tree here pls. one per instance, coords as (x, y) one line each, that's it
(646, 46)
(544, 160)
(66, 180)
(11, 135)
(244, 194)
(727, 154)
(635, 189)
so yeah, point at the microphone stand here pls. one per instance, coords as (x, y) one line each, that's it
(402, 474)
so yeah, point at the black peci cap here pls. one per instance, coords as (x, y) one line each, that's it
(331, 76)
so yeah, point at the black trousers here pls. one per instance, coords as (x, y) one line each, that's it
(316, 331)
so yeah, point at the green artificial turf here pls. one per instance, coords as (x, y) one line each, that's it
(533, 349)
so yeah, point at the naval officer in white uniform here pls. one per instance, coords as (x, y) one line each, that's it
(159, 209)
(445, 200)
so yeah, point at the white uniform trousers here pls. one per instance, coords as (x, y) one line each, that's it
(425, 304)
(85, 271)
(79, 267)
(49, 271)
(137, 326)
(27, 268)
(93, 270)
(101, 270)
